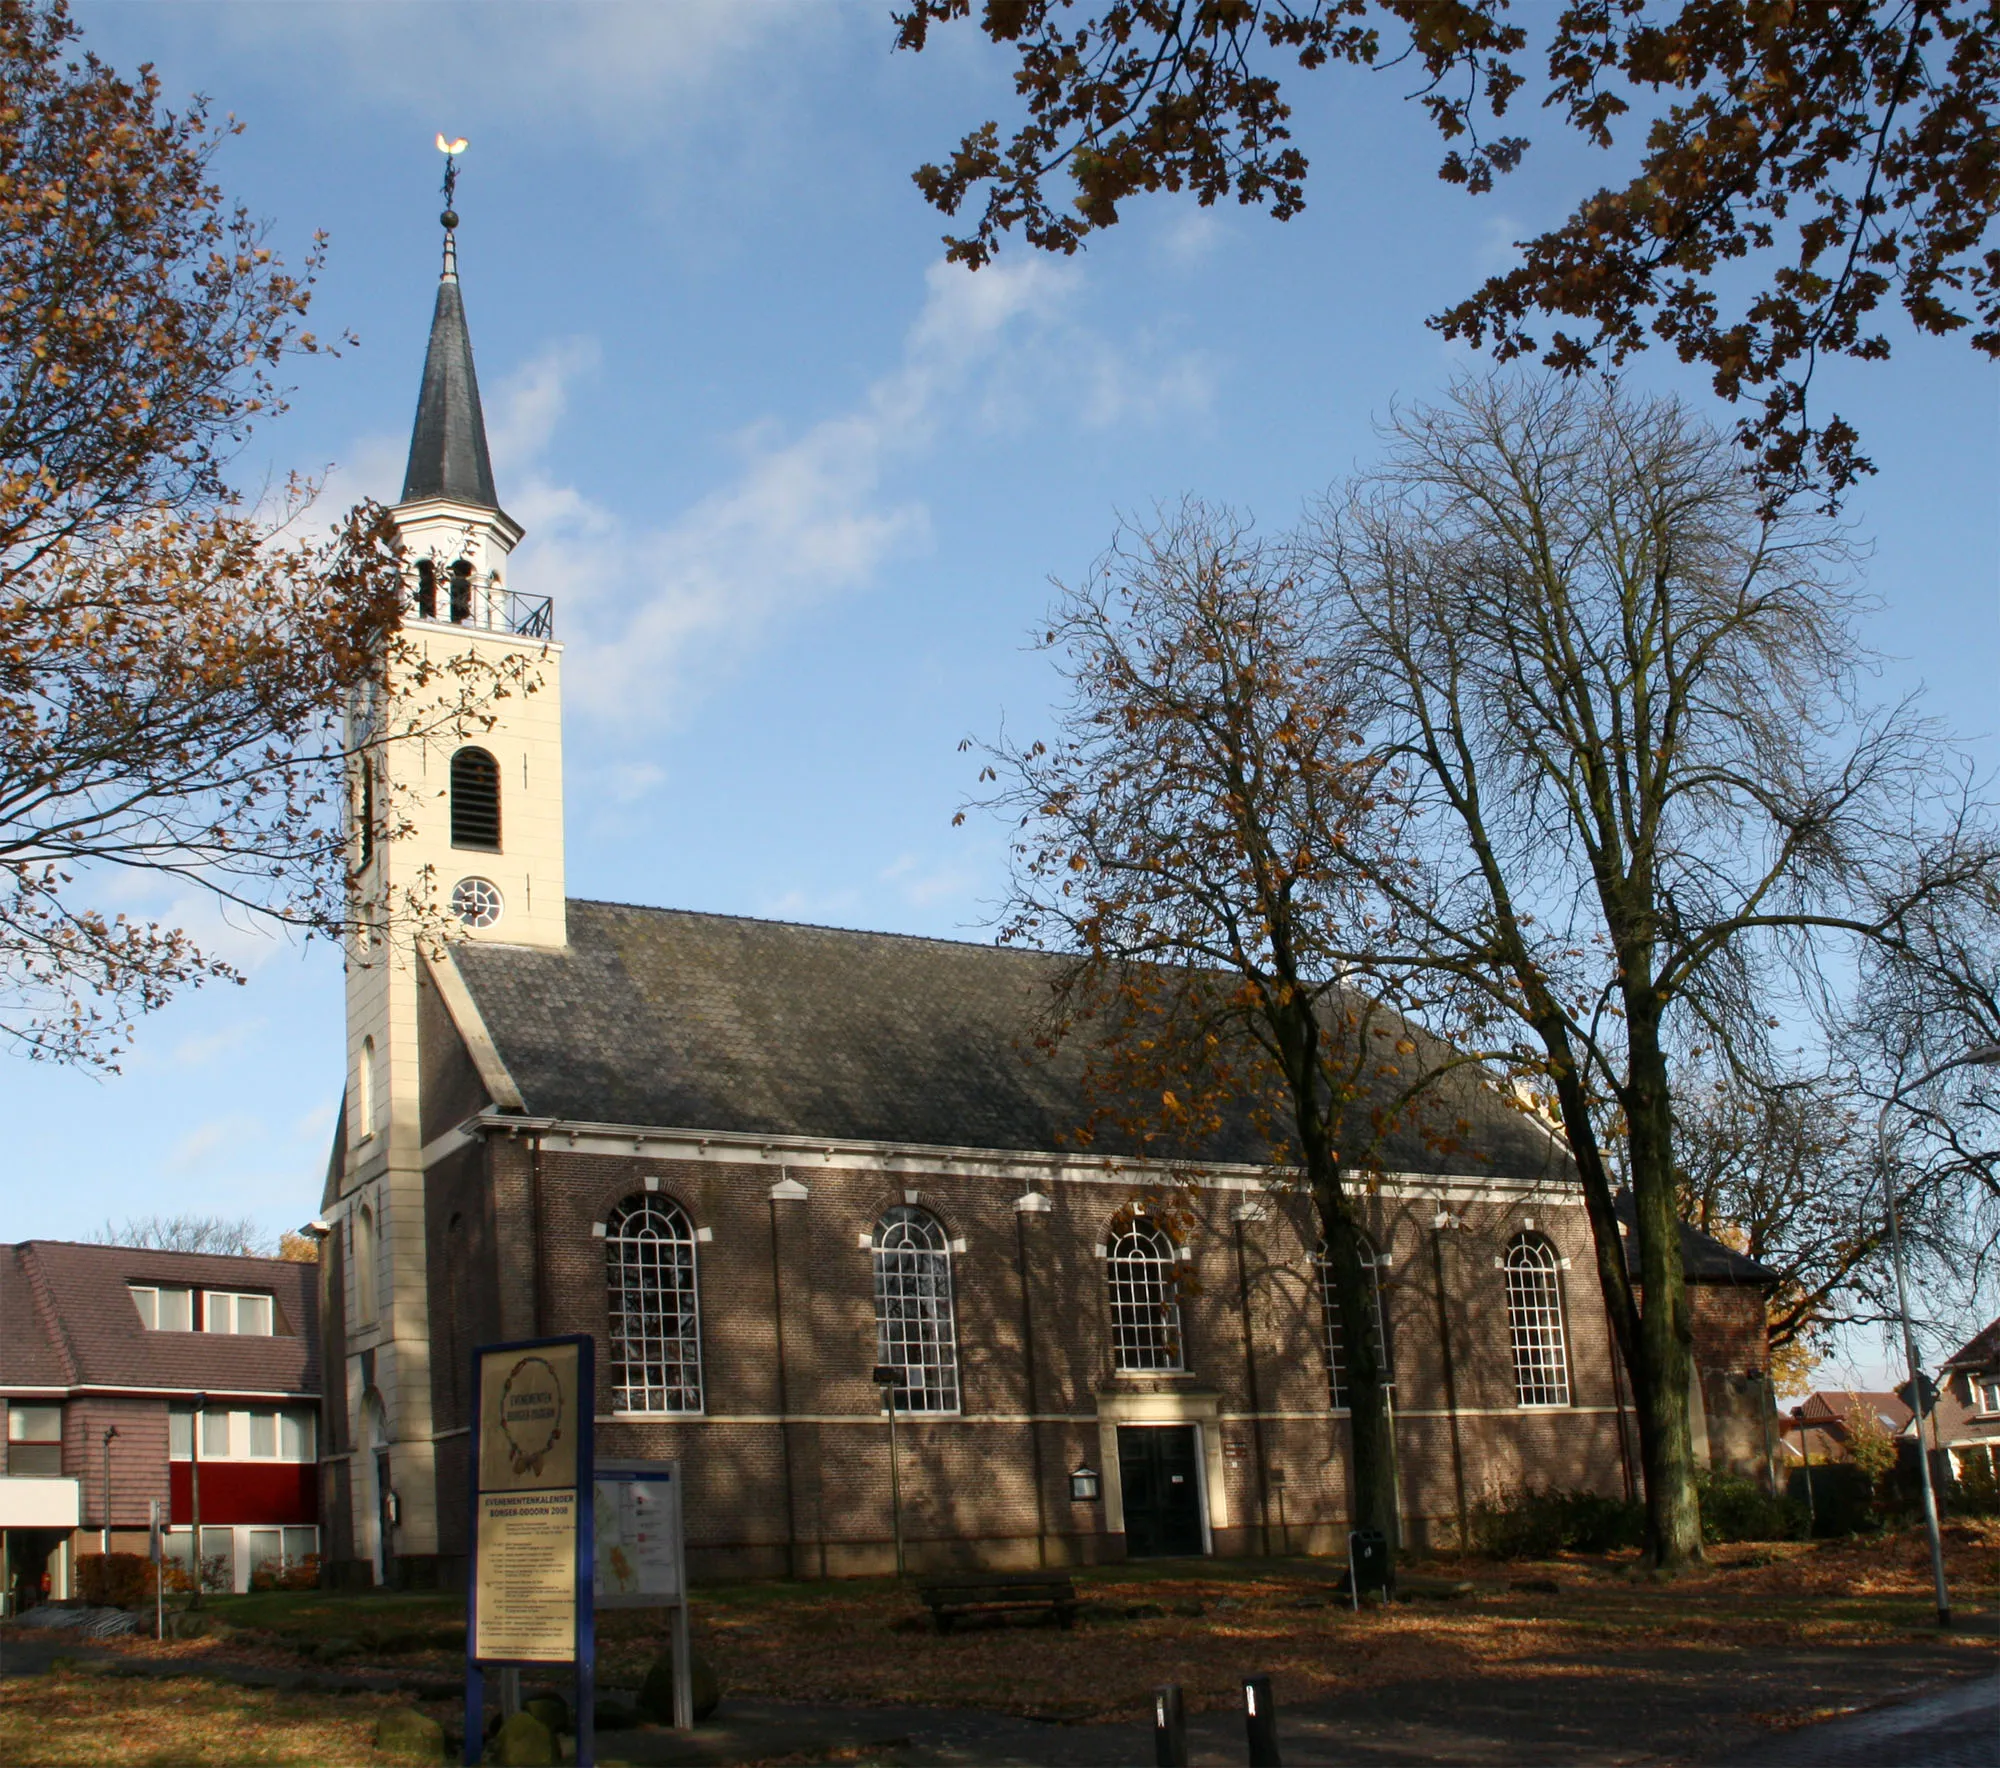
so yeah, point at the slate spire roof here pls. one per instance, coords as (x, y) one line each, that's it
(448, 455)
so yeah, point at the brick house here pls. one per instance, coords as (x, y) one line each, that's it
(194, 1379)
(1968, 1407)
(756, 1160)
(1821, 1426)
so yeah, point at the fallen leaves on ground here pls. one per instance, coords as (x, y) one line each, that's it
(126, 1721)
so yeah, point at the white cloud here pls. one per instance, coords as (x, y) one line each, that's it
(629, 73)
(219, 1135)
(655, 615)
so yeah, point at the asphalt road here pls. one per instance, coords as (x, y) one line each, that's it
(1953, 1727)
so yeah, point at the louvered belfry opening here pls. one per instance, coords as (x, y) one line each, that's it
(427, 590)
(475, 800)
(461, 592)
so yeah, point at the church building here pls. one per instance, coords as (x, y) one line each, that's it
(760, 1161)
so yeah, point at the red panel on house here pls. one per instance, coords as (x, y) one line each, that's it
(245, 1491)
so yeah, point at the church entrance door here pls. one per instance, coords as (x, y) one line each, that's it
(1159, 1473)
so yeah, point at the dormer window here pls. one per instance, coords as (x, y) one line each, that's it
(164, 1307)
(244, 1316)
(475, 800)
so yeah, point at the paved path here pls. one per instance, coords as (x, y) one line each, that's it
(1957, 1726)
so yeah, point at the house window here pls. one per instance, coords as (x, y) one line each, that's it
(247, 1316)
(214, 1435)
(475, 800)
(913, 1318)
(34, 1442)
(1139, 1267)
(655, 1311)
(163, 1307)
(1989, 1396)
(1535, 1323)
(1336, 1337)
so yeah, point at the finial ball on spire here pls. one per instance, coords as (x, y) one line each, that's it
(449, 218)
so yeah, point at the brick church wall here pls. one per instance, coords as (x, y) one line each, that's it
(788, 1466)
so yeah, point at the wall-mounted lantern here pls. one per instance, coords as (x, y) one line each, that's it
(1083, 1485)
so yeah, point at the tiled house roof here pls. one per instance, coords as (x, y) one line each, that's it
(67, 1320)
(670, 1019)
(1980, 1351)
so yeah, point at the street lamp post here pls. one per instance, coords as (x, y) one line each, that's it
(1983, 1056)
(889, 1378)
(110, 1435)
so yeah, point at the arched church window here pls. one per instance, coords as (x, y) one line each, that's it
(367, 812)
(655, 1315)
(1535, 1323)
(1336, 1336)
(364, 1265)
(364, 1091)
(914, 1331)
(461, 591)
(475, 800)
(427, 590)
(1140, 1269)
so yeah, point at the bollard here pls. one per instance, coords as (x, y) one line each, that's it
(1169, 1727)
(1260, 1721)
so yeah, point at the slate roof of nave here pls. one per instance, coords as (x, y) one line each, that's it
(665, 1018)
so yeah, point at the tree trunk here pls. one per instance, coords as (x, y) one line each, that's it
(1371, 1429)
(1662, 1378)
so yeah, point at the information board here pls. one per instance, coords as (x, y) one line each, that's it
(638, 1534)
(530, 1591)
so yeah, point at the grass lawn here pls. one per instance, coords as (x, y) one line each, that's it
(1202, 1624)
(86, 1718)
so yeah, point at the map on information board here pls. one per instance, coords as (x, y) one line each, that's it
(638, 1539)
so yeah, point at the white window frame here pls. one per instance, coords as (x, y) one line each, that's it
(1335, 1339)
(1142, 1285)
(916, 1329)
(1537, 1334)
(232, 1298)
(653, 1302)
(153, 1292)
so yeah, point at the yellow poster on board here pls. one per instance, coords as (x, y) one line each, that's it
(525, 1599)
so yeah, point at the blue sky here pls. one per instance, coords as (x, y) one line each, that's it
(797, 487)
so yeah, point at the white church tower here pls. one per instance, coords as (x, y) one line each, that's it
(458, 828)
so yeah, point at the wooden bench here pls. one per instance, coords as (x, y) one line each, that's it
(1000, 1593)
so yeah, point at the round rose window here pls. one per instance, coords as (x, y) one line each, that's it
(475, 902)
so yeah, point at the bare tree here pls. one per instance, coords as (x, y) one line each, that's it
(1654, 814)
(1202, 835)
(187, 1233)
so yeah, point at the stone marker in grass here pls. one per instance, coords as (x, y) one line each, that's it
(406, 1735)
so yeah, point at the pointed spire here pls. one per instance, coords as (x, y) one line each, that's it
(448, 455)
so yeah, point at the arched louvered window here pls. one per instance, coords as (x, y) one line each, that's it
(913, 1321)
(655, 1310)
(461, 592)
(427, 590)
(1140, 1269)
(366, 813)
(1535, 1323)
(1336, 1336)
(475, 800)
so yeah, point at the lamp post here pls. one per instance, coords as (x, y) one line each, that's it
(1982, 1056)
(110, 1431)
(888, 1378)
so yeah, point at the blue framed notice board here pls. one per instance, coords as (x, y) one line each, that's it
(529, 1598)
